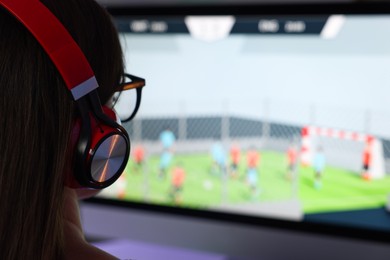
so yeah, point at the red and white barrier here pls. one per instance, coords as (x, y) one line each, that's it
(374, 146)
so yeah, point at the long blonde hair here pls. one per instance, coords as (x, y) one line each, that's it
(36, 117)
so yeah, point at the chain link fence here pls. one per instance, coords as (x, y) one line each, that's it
(273, 126)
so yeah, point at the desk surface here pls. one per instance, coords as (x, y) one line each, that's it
(134, 250)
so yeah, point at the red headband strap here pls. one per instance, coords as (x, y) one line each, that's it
(57, 42)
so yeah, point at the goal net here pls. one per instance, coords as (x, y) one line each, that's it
(344, 149)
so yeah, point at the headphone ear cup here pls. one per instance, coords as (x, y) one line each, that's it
(111, 114)
(100, 164)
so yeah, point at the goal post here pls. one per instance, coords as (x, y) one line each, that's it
(345, 149)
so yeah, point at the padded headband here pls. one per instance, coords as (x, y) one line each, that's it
(58, 44)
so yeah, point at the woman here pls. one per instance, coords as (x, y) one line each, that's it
(38, 214)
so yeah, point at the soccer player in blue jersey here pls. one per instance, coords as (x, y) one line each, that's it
(167, 139)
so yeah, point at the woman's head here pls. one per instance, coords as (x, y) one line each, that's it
(98, 39)
(36, 117)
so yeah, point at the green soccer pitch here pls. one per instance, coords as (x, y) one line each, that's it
(204, 187)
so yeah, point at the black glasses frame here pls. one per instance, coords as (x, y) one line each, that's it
(136, 83)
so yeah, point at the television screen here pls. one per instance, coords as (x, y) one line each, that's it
(260, 114)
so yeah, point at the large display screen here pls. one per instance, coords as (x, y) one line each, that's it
(279, 116)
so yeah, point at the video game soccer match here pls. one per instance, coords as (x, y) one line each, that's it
(263, 116)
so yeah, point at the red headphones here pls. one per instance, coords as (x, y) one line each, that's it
(102, 147)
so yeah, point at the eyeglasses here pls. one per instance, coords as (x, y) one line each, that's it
(127, 101)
